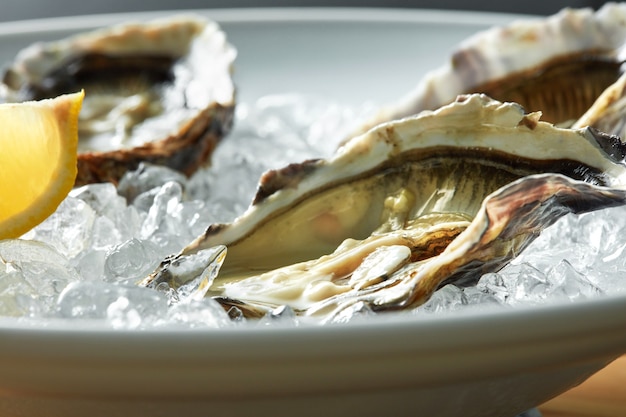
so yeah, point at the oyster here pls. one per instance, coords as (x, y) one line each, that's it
(557, 65)
(158, 92)
(441, 197)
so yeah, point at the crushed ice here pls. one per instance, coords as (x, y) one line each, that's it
(83, 262)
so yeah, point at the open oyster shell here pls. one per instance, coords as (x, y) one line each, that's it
(158, 92)
(558, 65)
(409, 206)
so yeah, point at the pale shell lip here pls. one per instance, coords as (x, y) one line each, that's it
(365, 152)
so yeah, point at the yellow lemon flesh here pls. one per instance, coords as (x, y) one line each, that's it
(38, 152)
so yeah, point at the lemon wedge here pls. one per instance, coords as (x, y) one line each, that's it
(38, 153)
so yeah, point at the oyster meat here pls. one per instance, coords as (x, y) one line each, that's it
(441, 197)
(158, 92)
(557, 65)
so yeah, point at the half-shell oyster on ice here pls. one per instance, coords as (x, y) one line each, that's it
(558, 65)
(158, 92)
(396, 213)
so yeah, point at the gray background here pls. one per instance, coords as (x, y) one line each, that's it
(29, 9)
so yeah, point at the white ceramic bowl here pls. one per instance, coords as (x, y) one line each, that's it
(479, 363)
(489, 362)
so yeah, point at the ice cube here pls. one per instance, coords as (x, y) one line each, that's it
(130, 261)
(120, 306)
(199, 313)
(32, 275)
(68, 229)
